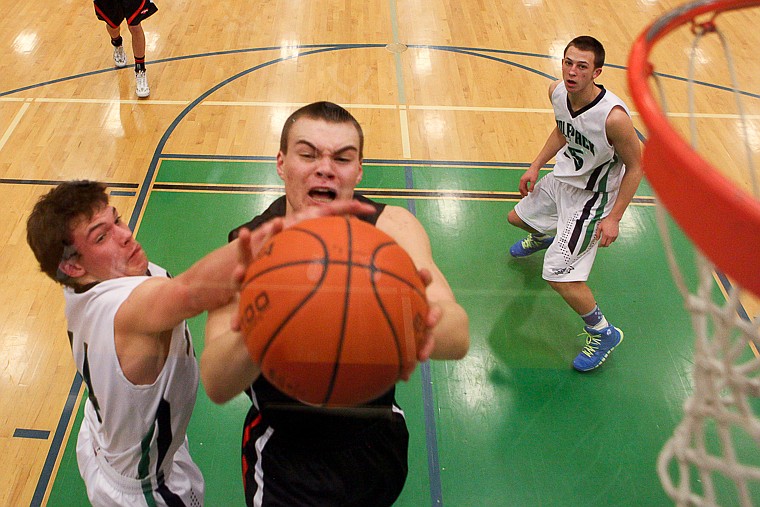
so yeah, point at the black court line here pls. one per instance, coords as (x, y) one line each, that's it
(377, 192)
(28, 433)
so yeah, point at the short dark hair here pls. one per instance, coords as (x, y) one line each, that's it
(588, 43)
(49, 226)
(326, 111)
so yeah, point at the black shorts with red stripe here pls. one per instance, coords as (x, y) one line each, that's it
(114, 12)
(360, 463)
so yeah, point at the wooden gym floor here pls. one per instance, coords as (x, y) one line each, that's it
(453, 100)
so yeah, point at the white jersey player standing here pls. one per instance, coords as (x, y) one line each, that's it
(578, 206)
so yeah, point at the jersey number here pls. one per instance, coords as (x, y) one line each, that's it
(577, 155)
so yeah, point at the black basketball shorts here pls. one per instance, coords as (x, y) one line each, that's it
(114, 12)
(368, 471)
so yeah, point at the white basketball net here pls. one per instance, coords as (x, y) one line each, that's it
(720, 430)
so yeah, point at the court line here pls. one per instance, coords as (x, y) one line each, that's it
(30, 433)
(459, 49)
(53, 183)
(367, 161)
(406, 149)
(400, 108)
(60, 431)
(14, 123)
(401, 193)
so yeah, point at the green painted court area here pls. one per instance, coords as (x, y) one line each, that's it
(514, 425)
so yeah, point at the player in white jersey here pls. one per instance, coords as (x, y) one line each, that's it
(126, 324)
(578, 206)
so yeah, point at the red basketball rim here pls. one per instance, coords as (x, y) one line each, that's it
(721, 219)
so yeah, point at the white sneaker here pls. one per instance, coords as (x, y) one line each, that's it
(142, 84)
(119, 56)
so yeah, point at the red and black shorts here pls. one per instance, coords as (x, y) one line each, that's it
(366, 469)
(114, 12)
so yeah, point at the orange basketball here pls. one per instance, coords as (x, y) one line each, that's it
(332, 311)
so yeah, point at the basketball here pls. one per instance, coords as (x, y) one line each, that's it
(332, 311)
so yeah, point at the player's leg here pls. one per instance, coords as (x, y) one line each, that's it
(601, 337)
(138, 49)
(119, 55)
(568, 263)
(110, 12)
(137, 11)
(536, 213)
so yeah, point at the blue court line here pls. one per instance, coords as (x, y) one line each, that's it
(428, 405)
(474, 51)
(387, 161)
(53, 183)
(55, 446)
(34, 434)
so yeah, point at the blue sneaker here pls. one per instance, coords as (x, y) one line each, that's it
(599, 344)
(530, 245)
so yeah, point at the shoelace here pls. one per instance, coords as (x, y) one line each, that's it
(529, 242)
(592, 344)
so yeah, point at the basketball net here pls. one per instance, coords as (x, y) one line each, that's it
(716, 447)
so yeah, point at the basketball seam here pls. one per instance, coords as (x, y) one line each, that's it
(344, 321)
(372, 270)
(314, 290)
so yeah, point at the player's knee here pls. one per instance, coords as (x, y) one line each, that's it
(515, 219)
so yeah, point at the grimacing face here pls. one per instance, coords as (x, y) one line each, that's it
(105, 249)
(322, 163)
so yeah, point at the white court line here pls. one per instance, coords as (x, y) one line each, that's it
(405, 144)
(14, 123)
(483, 109)
(114, 101)
(293, 105)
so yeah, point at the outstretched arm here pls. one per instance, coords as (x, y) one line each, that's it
(159, 304)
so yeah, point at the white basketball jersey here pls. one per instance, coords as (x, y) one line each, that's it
(136, 428)
(588, 160)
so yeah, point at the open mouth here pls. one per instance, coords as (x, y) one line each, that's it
(322, 194)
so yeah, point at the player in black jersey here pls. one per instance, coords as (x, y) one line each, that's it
(294, 454)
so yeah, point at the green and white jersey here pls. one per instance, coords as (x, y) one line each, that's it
(136, 429)
(588, 160)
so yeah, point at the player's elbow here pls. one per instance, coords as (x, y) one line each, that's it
(462, 344)
(212, 383)
(215, 392)
(454, 342)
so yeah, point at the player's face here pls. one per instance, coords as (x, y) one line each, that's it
(105, 248)
(578, 70)
(322, 163)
